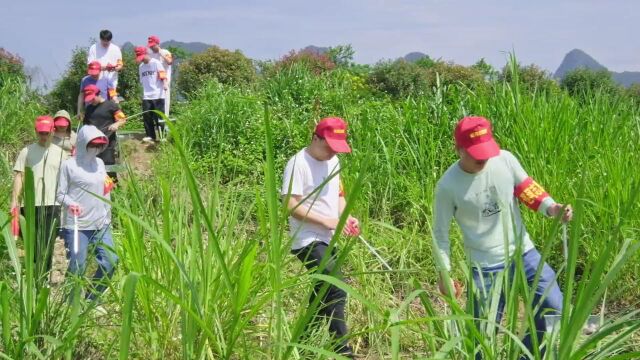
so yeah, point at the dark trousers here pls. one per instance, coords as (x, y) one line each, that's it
(151, 119)
(110, 155)
(333, 303)
(47, 225)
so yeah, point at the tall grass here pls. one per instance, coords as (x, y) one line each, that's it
(205, 269)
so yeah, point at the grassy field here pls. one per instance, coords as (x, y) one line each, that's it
(205, 270)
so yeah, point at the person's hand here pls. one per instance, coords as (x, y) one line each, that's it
(81, 116)
(15, 221)
(113, 127)
(110, 67)
(166, 87)
(455, 285)
(352, 228)
(555, 209)
(75, 210)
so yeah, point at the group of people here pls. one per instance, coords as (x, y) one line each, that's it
(480, 191)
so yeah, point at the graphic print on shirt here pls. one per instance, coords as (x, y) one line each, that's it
(488, 200)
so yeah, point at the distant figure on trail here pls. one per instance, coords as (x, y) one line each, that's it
(84, 192)
(64, 136)
(108, 118)
(109, 56)
(314, 172)
(481, 191)
(166, 59)
(154, 87)
(104, 83)
(44, 160)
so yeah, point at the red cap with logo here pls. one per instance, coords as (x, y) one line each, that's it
(90, 92)
(44, 124)
(94, 68)
(140, 51)
(102, 140)
(153, 41)
(334, 131)
(474, 135)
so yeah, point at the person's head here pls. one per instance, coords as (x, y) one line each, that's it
(91, 94)
(141, 54)
(62, 121)
(105, 38)
(97, 145)
(44, 128)
(153, 42)
(329, 138)
(474, 143)
(94, 68)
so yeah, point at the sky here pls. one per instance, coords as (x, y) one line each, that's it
(44, 33)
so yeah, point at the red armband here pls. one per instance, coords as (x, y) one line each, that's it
(530, 193)
(162, 75)
(119, 115)
(112, 93)
(108, 185)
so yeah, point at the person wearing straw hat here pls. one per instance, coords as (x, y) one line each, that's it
(44, 160)
(481, 191)
(84, 192)
(315, 198)
(108, 118)
(63, 135)
(153, 78)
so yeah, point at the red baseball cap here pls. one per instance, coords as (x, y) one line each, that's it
(474, 135)
(102, 140)
(140, 51)
(94, 68)
(90, 92)
(153, 41)
(334, 131)
(44, 123)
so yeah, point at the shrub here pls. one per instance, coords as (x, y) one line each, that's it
(453, 74)
(316, 62)
(583, 81)
(399, 78)
(11, 64)
(531, 78)
(226, 67)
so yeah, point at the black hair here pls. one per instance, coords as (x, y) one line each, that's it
(106, 35)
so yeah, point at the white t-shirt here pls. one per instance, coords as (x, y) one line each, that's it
(305, 175)
(151, 75)
(160, 56)
(45, 163)
(111, 55)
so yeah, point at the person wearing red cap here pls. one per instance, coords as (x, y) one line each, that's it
(44, 159)
(165, 57)
(481, 191)
(314, 195)
(104, 83)
(85, 193)
(108, 118)
(153, 78)
(63, 135)
(108, 55)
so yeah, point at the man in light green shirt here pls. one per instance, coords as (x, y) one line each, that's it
(481, 191)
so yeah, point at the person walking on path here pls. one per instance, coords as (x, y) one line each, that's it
(314, 172)
(109, 56)
(108, 118)
(44, 160)
(63, 135)
(84, 192)
(154, 86)
(166, 59)
(481, 191)
(104, 83)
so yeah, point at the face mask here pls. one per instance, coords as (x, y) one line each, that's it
(93, 152)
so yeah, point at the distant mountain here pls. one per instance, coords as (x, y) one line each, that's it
(192, 47)
(318, 50)
(577, 58)
(414, 56)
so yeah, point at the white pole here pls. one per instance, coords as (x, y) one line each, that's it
(76, 239)
(374, 252)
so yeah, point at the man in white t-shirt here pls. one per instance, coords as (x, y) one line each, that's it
(312, 189)
(165, 57)
(154, 86)
(109, 56)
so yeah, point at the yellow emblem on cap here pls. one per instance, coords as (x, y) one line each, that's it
(478, 133)
(338, 131)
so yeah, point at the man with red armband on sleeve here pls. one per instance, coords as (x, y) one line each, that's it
(481, 191)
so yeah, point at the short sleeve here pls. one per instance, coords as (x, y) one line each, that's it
(518, 172)
(293, 180)
(21, 161)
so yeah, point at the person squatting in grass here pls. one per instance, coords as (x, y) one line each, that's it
(166, 59)
(313, 221)
(84, 192)
(63, 135)
(108, 55)
(108, 118)
(105, 85)
(481, 191)
(154, 86)
(44, 160)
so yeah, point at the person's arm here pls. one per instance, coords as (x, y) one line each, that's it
(303, 213)
(80, 104)
(91, 55)
(168, 58)
(119, 62)
(17, 189)
(443, 211)
(119, 118)
(63, 187)
(162, 75)
(112, 91)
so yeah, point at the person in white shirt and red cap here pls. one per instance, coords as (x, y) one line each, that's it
(154, 87)
(314, 193)
(108, 55)
(165, 57)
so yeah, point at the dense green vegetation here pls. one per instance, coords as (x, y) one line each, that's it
(205, 268)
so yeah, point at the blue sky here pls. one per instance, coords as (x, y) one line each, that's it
(541, 32)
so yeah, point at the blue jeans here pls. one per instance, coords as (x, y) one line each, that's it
(547, 292)
(102, 244)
